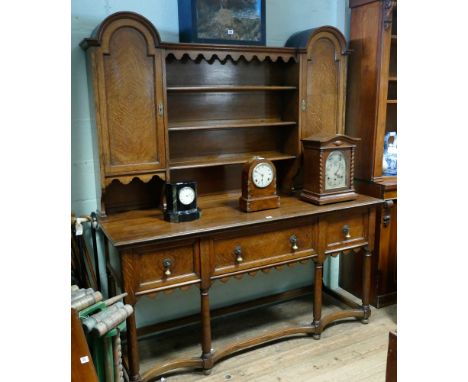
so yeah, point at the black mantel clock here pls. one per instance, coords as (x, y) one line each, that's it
(181, 202)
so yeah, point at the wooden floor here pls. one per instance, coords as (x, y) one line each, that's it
(348, 351)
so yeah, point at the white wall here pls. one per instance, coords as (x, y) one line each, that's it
(283, 18)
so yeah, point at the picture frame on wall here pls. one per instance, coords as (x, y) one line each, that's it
(240, 22)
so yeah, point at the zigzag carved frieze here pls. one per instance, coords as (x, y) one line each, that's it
(127, 179)
(234, 56)
(346, 252)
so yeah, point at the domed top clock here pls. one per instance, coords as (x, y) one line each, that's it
(328, 169)
(258, 186)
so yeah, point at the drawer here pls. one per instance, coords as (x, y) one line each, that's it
(249, 251)
(347, 230)
(160, 267)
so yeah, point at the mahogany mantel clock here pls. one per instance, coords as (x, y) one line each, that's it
(258, 186)
(328, 169)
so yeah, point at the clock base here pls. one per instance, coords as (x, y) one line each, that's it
(321, 199)
(259, 204)
(182, 216)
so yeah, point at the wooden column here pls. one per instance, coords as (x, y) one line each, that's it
(207, 354)
(126, 264)
(317, 298)
(366, 276)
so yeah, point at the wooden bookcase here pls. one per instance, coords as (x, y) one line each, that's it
(226, 107)
(174, 112)
(371, 113)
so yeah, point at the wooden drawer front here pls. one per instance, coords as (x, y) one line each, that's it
(181, 263)
(262, 248)
(358, 224)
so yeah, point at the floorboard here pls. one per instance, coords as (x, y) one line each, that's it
(348, 351)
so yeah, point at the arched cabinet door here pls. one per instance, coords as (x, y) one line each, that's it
(127, 76)
(323, 80)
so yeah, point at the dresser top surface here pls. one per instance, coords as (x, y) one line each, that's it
(219, 212)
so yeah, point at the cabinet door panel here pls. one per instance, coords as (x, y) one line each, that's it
(325, 77)
(133, 129)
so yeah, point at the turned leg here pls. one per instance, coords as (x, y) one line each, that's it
(132, 349)
(111, 289)
(317, 299)
(128, 281)
(206, 332)
(366, 276)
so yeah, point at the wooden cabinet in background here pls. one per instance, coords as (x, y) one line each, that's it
(371, 113)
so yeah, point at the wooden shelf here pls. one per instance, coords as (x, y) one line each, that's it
(392, 101)
(387, 180)
(394, 38)
(392, 78)
(225, 159)
(227, 124)
(228, 88)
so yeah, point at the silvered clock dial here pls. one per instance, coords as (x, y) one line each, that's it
(335, 171)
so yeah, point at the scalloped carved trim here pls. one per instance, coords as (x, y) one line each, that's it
(346, 252)
(153, 295)
(234, 56)
(145, 178)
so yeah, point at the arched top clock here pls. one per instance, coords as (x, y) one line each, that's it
(258, 186)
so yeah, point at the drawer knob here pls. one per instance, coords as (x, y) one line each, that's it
(167, 264)
(238, 253)
(293, 241)
(346, 232)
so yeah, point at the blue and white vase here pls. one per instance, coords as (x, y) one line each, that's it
(390, 154)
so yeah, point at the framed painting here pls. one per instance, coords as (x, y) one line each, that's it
(222, 21)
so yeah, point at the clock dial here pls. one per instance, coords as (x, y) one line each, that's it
(262, 175)
(186, 195)
(335, 171)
